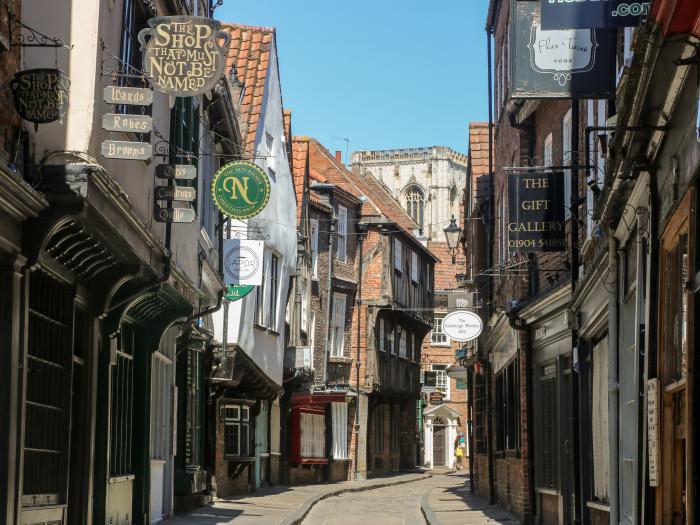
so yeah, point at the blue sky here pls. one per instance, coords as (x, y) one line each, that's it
(383, 73)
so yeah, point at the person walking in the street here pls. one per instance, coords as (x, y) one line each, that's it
(459, 453)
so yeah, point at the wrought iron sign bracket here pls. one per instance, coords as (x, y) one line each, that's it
(30, 37)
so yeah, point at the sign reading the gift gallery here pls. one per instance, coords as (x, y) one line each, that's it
(40, 95)
(243, 262)
(240, 190)
(536, 211)
(183, 56)
(585, 14)
(563, 63)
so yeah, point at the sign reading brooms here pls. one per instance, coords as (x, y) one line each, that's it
(240, 190)
(182, 55)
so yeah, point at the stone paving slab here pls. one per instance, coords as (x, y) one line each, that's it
(281, 505)
(449, 503)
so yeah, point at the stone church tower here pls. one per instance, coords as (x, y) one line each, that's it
(428, 182)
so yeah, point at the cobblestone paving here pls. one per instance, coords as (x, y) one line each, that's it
(397, 505)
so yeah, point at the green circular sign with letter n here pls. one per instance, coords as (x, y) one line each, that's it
(240, 190)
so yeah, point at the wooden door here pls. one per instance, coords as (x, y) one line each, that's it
(439, 446)
(675, 366)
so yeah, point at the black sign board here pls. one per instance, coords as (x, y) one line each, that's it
(429, 378)
(536, 211)
(41, 95)
(176, 193)
(183, 55)
(174, 214)
(585, 14)
(435, 398)
(563, 63)
(176, 171)
(459, 300)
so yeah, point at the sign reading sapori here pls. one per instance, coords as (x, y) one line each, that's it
(182, 55)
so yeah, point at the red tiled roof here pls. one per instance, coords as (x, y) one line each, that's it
(316, 199)
(300, 163)
(249, 53)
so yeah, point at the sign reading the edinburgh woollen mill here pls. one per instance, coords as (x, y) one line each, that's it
(182, 56)
(536, 211)
(41, 95)
(240, 190)
(583, 14)
(563, 63)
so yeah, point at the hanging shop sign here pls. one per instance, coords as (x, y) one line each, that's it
(40, 95)
(128, 96)
(536, 211)
(234, 292)
(585, 14)
(243, 262)
(124, 149)
(435, 398)
(240, 190)
(183, 55)
(462, 325)
(176, 193)
(176, 171)
(179, 215)
(127, 123)
(563, 63)
(457, 300)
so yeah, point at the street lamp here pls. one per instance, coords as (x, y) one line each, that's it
(452, 233)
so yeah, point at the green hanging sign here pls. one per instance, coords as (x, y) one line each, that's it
(234, 292)
(240, 190)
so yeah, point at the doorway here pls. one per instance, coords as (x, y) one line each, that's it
(439, 432)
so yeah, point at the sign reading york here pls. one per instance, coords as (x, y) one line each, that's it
(182, 55)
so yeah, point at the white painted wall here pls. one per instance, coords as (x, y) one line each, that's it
(278, 220)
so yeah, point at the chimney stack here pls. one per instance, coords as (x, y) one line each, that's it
(338, 156)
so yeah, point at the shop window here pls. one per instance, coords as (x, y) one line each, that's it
(442, 382)
(339, 417)
(599, 420)
(236, 430)
(507, 401)
(437, 336)
(313, 435)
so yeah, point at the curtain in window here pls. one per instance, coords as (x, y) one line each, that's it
(339, 414)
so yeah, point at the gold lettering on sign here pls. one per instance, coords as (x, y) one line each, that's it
(230, 185)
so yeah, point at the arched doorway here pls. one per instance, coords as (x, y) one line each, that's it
(439, 452)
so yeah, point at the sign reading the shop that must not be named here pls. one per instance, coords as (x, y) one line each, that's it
(536, 211)
(41, 95)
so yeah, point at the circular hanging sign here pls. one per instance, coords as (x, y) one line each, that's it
(462, 325)
(234, 292)
(182, 55)
(240, 190)
(41, 95)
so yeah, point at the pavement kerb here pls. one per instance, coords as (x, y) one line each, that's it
(427, 511)
(298, 516)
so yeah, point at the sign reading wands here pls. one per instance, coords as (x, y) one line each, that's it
(536, 211)
(182, 55)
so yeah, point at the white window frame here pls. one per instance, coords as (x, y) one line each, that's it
(567, 149)
(314, 247)
(339, 418)
(398, 263)
(237, 417)
(442, 380)
(341, 252)
(338, 333)
(437, 334)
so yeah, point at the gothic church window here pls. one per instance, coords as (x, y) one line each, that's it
(415, 201)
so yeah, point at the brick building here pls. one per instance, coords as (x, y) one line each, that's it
(368, 305)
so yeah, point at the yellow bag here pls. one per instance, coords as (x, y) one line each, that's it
(459, 452)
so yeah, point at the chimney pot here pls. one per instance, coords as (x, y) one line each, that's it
(338, 156)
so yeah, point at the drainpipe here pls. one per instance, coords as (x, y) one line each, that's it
(613, 421)
(329, 296)
(360, 240)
